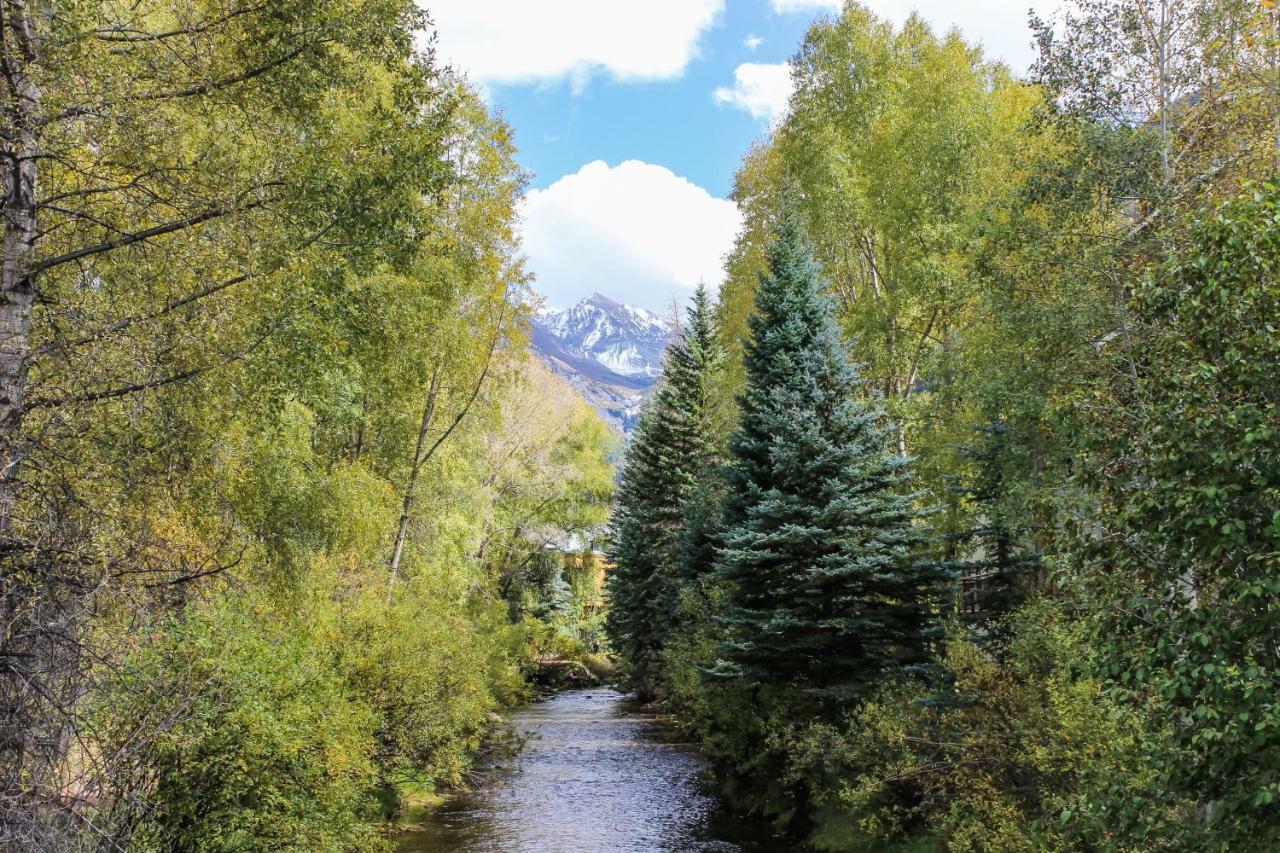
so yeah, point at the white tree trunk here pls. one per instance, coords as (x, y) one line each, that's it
(17, 288)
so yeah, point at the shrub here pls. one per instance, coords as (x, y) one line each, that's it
(254, 741)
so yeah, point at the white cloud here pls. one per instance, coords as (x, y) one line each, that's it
(521, 41)
(1000, 25)
(636, 231)
(752, 42)
(784, 6)
(758, 88)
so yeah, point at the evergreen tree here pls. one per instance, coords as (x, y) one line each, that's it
(824, 594)
(695, 365)
(633, 537)
(671, 456)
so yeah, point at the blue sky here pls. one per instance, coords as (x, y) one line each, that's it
(673, 123)
(632, 116)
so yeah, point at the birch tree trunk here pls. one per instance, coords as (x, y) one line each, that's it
(18, 45)
(411, 488)
(17, 287)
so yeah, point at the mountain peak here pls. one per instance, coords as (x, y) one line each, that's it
(611, 351)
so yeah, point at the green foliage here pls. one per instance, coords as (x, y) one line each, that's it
(989, 559)
(281, 338)
(1076, 345)
(824, 595)
(290, 725)
(432, 675)
(903, 144)
(250, 738)
(1184, 563)
(285, 504)
(1018, 757)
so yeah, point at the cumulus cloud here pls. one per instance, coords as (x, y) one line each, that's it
(758, 88)
(519, 41)
(752, 42)
(1000, 25)
(635, 231)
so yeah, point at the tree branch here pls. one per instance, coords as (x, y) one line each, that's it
(190, 91)
(168, 308)
(126, 36)
(124, 390)
(139, 236)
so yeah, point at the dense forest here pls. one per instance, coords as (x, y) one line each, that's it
(278, 471)
(955, 524)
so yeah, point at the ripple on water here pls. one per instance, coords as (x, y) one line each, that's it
(595, 776)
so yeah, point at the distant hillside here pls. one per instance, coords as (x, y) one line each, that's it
(610, 352)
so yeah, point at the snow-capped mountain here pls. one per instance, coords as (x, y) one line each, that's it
(623, 338)
(610, 352)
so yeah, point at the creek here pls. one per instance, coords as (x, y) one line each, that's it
(596, 775)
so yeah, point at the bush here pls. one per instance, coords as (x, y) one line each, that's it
(300, 725)
(432, 676)
(1016, 752)
(254, 740)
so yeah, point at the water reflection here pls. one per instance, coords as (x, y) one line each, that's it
(595, 776)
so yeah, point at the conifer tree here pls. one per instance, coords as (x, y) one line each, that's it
(671, 456)
(819, 531)
(634, 536)
(694, 367)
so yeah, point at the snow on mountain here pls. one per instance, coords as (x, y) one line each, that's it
(610, 352)
(626, 339)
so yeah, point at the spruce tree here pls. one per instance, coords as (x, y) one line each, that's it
(695, 363)
(825, 596)
(633, 550)
(671, 455)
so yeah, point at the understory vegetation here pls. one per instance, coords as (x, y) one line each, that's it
(955, 524)
(282, 492)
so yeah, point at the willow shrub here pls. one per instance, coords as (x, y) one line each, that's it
(300, 724)
(255, 740)
(433, 672)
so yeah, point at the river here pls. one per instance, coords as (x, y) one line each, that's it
(597, 775)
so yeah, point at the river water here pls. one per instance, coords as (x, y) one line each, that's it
(597, 775)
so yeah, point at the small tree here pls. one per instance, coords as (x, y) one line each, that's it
(825, 595)
(694, 366)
